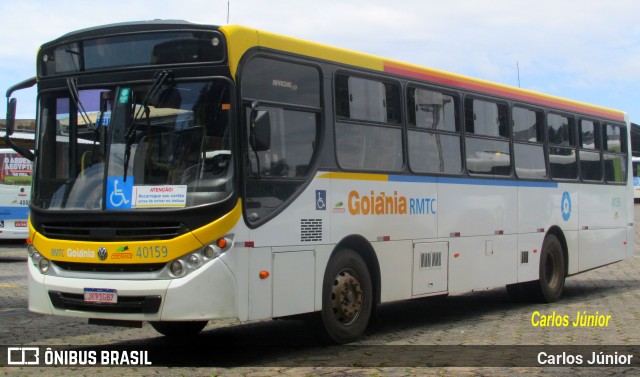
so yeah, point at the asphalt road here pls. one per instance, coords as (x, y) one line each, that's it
(486, 323)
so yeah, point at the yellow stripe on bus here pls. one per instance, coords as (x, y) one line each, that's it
(355, 176)
(241, 39)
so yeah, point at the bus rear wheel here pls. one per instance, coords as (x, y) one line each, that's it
(552, 267)
(347, 297)
(179, 329)
(551, 276)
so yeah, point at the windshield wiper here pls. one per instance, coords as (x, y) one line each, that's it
(158, 81)
(104, 99)
(72, 84)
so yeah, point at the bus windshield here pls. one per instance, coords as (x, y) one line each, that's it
(157, 145)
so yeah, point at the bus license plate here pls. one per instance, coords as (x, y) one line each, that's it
(101, 295)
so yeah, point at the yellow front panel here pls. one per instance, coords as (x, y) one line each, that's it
(134, 252)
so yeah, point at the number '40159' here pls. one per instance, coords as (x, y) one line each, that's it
(157, 251)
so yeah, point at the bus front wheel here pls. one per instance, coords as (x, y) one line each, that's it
(347, 297)
(179, 329)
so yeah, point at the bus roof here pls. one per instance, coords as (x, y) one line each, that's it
(125, 27)
(241, 39)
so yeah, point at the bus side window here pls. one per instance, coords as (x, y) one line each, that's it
(434, 132)
(615, 153)
(487, 146)
(528, 143)
(590, 159)
(562, 151)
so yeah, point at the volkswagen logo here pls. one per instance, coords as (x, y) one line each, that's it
(102, 253)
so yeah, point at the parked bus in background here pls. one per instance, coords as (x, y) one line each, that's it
(186, 173)
(15, 192)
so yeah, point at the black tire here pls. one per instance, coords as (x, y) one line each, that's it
(347, 297)
(550, 285)
(179, 329)
(551, 276)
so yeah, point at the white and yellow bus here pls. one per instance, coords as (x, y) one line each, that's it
(187, 173)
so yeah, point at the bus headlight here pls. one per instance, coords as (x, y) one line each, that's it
(44, 265)
(190, 262)
(40, 262)
(35, 258)
(177, 268)
(211, 252)
(194, 261)
(31, 249)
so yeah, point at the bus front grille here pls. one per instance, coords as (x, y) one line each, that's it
(109, 267)
(112, 232)
(125, 305)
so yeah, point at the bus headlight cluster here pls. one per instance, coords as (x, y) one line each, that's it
(177, 268)
(40, 262)
(188, 263)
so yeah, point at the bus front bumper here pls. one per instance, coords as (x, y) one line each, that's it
(205, 294)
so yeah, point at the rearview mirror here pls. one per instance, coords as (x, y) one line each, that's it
(11, 116)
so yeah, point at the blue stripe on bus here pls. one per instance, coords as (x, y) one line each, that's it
(472, 181)
(544, 184)
(11, 213)
(412, 179)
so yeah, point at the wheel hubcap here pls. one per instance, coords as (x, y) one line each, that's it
(346, 297)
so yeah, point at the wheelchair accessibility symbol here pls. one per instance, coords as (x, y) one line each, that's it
(119, 192)
(321, 200)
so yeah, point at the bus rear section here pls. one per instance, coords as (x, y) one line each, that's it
(635, 161)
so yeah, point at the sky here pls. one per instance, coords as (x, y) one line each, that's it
(587, 51)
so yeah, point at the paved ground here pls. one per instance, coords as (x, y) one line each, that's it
(404, 330)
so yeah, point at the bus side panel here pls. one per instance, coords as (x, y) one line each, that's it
(476, 209)
(430, 268)
(200, 295)
(260, 298)
(293, 282)
(39, 301)
(396, 263)
(528, 259)
(564, 203)
(534, 209)
(602, 225)
(482, 262)
(602, 207)
(601, 246)
(304, 221)
(323, 253)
